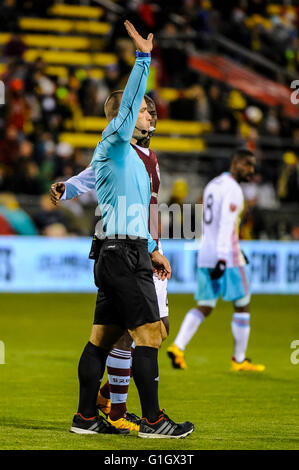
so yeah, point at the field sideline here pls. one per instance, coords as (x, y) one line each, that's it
(45, 334)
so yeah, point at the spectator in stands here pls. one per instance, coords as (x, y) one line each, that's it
(16, 218)
(252, 226)
(87, 94)
(263, 192)
(48, 214)
(5, 228)
(191, 105)
(14, 48)
(9, 147)
(17, 106)
(217, 107)
(8, 19)
(288, 182)
(271, 123)
(174, 56)
(177, 198)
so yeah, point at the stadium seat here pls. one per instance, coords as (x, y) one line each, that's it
(69, 57)
(164, 126)
(60, 71)
(166, 144)
(64, 26)
(55, 42)
(80, 11)
(193, 128)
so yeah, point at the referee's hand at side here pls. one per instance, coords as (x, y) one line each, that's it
(57, 190)
(161, 265)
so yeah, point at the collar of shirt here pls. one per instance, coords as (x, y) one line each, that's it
(144, 150)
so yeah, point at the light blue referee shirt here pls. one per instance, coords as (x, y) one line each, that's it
(122, 182)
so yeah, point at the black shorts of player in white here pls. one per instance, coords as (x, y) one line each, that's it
(124, 277)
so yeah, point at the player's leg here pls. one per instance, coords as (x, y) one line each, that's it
(237, 289)
(241, 330)
(147, 339)
(206, 296)
(106, 330)
(112, 396)
(154, 422)
(90, 371)
(130, 282)
(118, 368)
(193, 319)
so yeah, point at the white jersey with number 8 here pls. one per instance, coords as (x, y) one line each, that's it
(223, 203)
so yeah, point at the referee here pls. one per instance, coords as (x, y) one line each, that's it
(124, 264)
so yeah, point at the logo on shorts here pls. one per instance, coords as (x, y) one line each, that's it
(295, 354)
(2, 353)
(232, 207)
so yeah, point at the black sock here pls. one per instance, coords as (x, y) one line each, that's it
(146, 376)
(90, 371)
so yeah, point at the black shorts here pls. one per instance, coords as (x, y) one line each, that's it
(124, 277)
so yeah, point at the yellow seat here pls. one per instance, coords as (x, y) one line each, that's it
(56, 42)
(4, 37)
(64, 26)
(177, 144)
(168, 94)
(165, 144)
(81, 11)
(88, 123)
(164, 126)
(81, 140)
(69, 57)
(168, 126)
(60, 71)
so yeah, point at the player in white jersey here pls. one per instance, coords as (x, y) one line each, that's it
(223, 269)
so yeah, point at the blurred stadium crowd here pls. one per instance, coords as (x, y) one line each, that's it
(46, 99)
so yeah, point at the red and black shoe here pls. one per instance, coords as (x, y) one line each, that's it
(164, 427)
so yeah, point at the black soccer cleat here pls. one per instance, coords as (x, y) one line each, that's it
(96, 425)
(164, 427)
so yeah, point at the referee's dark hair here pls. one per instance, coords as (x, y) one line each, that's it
(240, 153)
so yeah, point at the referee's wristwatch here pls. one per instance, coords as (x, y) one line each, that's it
(142, 54)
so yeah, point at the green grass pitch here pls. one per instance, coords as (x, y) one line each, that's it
(45, 334)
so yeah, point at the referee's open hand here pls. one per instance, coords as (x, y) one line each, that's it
(57, 190)
(161, 265)
(141, 44)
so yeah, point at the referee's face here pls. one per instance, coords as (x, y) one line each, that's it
(144, 117)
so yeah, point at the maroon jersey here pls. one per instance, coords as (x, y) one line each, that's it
(152, 167)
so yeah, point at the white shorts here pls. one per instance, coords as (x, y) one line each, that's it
(161, 290)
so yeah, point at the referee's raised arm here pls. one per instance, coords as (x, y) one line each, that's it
(122, 123)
